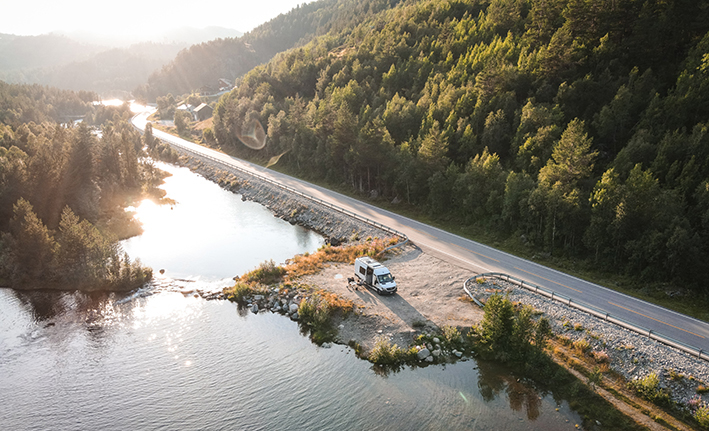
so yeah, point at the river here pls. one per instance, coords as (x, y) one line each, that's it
(160, 358)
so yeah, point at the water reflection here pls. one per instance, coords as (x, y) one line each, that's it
(159, 358)
(496, 379)
(209, 233)
(45, 306)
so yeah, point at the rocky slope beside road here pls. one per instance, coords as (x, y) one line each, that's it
(335, 226)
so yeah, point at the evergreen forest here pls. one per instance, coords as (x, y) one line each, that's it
(577, 129)
(63, 189)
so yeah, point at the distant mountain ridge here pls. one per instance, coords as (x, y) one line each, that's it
(93, 63)
(181, 35)
(47, 50)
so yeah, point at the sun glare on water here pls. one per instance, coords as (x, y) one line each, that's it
(148, 213)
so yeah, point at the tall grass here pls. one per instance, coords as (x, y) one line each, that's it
(649, 388)
(307, 264)
(702, 416)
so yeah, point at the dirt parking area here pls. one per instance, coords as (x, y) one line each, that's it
(429, 297)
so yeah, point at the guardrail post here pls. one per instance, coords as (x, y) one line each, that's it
(552, 295)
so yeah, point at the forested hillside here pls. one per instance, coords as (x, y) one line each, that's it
(33, 103)
(230, 58)
(575, 127)
(62, 191)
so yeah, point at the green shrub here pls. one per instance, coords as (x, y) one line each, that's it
(452, 336)
(384, 353)
(582, 345)
(648, 387)
(267, 273)
(315, 314)
(542, 332)
(356, 347)
(241, 291)
(702, 416)
(674, 375)
(506, 332)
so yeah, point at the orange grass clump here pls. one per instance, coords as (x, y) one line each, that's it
(307, 264)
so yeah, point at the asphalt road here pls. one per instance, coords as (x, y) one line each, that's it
(479, 258)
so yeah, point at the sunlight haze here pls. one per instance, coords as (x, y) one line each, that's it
(136, 18)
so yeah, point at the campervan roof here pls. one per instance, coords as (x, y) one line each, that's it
(371, 262)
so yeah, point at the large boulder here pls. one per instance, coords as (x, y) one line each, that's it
(293, 308)
(423, 354)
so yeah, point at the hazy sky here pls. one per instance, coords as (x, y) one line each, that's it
(136, 17)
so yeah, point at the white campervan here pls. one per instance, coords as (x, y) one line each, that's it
(375, 275)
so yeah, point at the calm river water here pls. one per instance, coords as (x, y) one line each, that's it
(159, 359)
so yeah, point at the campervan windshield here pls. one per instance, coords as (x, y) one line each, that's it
(385, 278)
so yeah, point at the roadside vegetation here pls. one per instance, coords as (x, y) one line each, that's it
(512, 335)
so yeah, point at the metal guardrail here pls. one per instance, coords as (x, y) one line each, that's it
(281, 186)
(602, 314)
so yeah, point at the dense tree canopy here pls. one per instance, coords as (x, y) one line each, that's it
(62, 191)
(577, 126)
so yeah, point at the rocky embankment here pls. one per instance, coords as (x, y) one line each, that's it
(630, 354)
(335, 226)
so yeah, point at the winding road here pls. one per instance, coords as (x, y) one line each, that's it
(479, 258)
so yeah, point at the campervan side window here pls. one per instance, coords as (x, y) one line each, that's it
(361, 270)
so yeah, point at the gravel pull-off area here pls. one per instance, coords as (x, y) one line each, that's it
(428, 298)
(630, 354)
